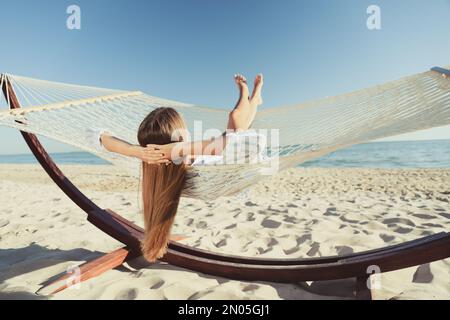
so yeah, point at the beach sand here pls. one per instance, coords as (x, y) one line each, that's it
(298, 213)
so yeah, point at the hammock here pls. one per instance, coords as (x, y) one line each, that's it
(434, 97)
(68, 113)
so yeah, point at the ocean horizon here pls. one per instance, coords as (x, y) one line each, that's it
(392, 154)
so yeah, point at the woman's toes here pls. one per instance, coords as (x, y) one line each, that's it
(237, 80)
(259, 79)
(256, 95)
(241, 81)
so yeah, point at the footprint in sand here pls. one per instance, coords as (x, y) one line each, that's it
(250, 204)
(314, 249)
(197, 243)
(277, 210)
(200, 294)
(303, 239)
(291, 251)
(221, 243)
(292, 220)
(272, 242)
(250, 287)
(331, 212)
(432, 225)
(262, 250)
(231, 226)
(423, 274)
(402, 230)
(158, 284)
(344, 250)
(201, 225)
(127, 294)
(348, 220)
(271, 224)
(3, 223)
(395, 221)
(445, 215)
(386, 238)
(424, 216)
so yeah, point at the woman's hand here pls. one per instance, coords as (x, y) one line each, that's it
(150, 156)
(155, 153)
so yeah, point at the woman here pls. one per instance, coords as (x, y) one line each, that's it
(162, 146)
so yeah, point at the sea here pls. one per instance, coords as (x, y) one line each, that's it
(399, 154)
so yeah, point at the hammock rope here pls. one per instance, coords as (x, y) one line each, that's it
(69, 113)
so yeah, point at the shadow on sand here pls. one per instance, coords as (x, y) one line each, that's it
(21, 261)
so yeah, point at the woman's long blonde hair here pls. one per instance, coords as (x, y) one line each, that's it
(161, 184)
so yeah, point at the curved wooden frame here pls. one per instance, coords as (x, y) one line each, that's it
(425, 250)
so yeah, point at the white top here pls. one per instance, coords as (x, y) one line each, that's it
(246, 147)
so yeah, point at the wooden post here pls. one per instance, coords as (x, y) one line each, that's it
(89, 270)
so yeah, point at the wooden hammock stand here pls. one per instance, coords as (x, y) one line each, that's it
(356, 265)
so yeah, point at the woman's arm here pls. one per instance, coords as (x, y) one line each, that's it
(177, 150)
(122, 147)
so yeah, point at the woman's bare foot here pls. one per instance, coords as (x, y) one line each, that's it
(241, 82)
(239, 118)
(256, 95)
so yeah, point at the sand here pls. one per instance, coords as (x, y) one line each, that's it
(299, 213)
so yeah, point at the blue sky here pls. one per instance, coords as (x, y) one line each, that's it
(188, 50)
